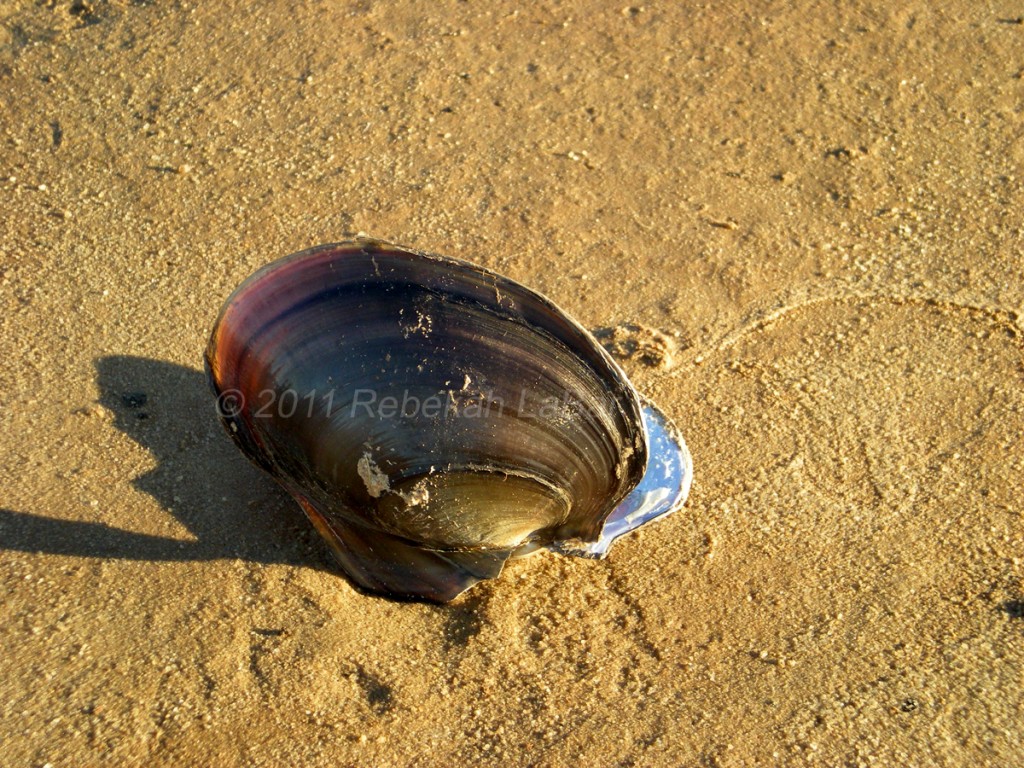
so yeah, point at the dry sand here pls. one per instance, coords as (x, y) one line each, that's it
(819, 204)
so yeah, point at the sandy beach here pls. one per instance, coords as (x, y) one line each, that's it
(799, 227)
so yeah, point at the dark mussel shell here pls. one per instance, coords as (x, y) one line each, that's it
(433, 418)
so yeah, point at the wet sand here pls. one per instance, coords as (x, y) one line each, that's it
(813, 208)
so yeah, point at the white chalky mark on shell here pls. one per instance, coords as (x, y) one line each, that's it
(376, 481)
(419, 495)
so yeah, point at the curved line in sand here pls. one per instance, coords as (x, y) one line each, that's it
(777, 308)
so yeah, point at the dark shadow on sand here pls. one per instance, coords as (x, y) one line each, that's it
(232, 510)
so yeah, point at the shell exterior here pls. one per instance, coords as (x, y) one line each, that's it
(433, 418)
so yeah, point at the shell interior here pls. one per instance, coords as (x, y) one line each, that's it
(663, 489)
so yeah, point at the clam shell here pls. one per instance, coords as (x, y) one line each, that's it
(434, 419)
